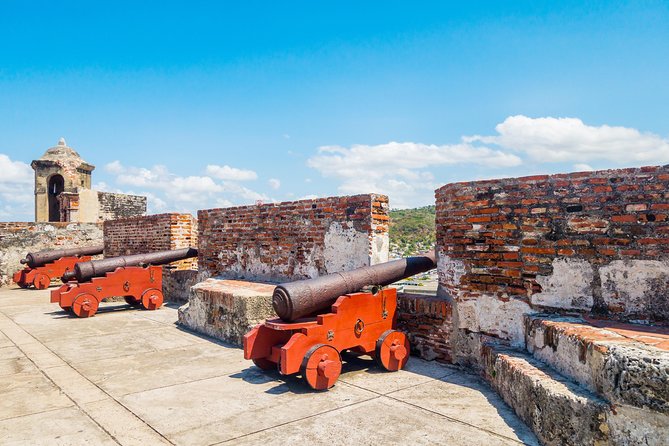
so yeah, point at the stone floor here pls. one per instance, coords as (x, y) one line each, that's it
(128, 376)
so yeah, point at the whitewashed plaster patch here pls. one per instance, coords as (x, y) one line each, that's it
(570, 286)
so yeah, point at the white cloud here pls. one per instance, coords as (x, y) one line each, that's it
(169, 192)
(401, 170)
(114, 167)
(403, 158)
(570, 140)
(14, 171)
(231, 173)
(274, 183)
(406, 171)
(582, 167)
(244, 192)
(16, 189)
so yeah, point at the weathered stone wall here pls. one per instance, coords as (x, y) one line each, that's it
(589, 242)
(118, 206)
(177, 283)
(19, 238)
(293, 240)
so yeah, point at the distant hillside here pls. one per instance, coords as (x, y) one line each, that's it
(411, 231)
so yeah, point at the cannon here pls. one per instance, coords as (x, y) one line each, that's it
(44, 266)
(307, 338)
(138, 278)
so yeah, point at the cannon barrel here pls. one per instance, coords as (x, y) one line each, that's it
(40, 258)
(85, 271)
(294, 300)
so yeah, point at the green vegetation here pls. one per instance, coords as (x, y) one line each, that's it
(411, 231)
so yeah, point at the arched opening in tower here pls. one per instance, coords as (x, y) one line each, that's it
(56, 186)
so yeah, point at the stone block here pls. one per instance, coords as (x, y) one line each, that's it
(608, 361)
(227, 309)
(294, 240)
(559, 411)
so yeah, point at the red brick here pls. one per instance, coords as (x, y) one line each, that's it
(624, 218)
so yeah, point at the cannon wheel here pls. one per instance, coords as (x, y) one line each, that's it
(152, 299)
(85, 305)
(264, 364)
(132, 300)
(41, 281)
(392, 350)
(321, 366)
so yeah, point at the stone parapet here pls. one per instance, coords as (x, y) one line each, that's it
(293, 240)
(159, 232)
(558, 411)
(623, 363)
(19, 238)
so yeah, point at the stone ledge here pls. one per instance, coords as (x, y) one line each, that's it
(227, 309)
(623, 363)
(556, 409)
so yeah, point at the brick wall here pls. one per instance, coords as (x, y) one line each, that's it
(117, 206)
(150, 233)
(427, 321)
(293, 240)
(589, 242)
(19, 238)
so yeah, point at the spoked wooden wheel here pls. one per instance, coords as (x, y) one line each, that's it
(321, 367)
(392, 350)
(152, 299)
(264, 364)
(85, 305)
(132, 300)
(41, 281)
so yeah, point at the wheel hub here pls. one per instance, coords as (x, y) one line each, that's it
(328, 368)
(398, 351)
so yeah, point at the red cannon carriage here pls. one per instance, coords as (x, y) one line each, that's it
(44, 266)
(362, 322)
(137, 278)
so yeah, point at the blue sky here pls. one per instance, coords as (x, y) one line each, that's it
(205, 104)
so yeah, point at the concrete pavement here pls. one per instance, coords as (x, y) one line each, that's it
(128, 376)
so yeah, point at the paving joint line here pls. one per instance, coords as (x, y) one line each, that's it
(129, 354)
(296, 420)
(38, 412)
(388, 395)
(69, 338)
(187, 382)
(91, 382)
(74, 403)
